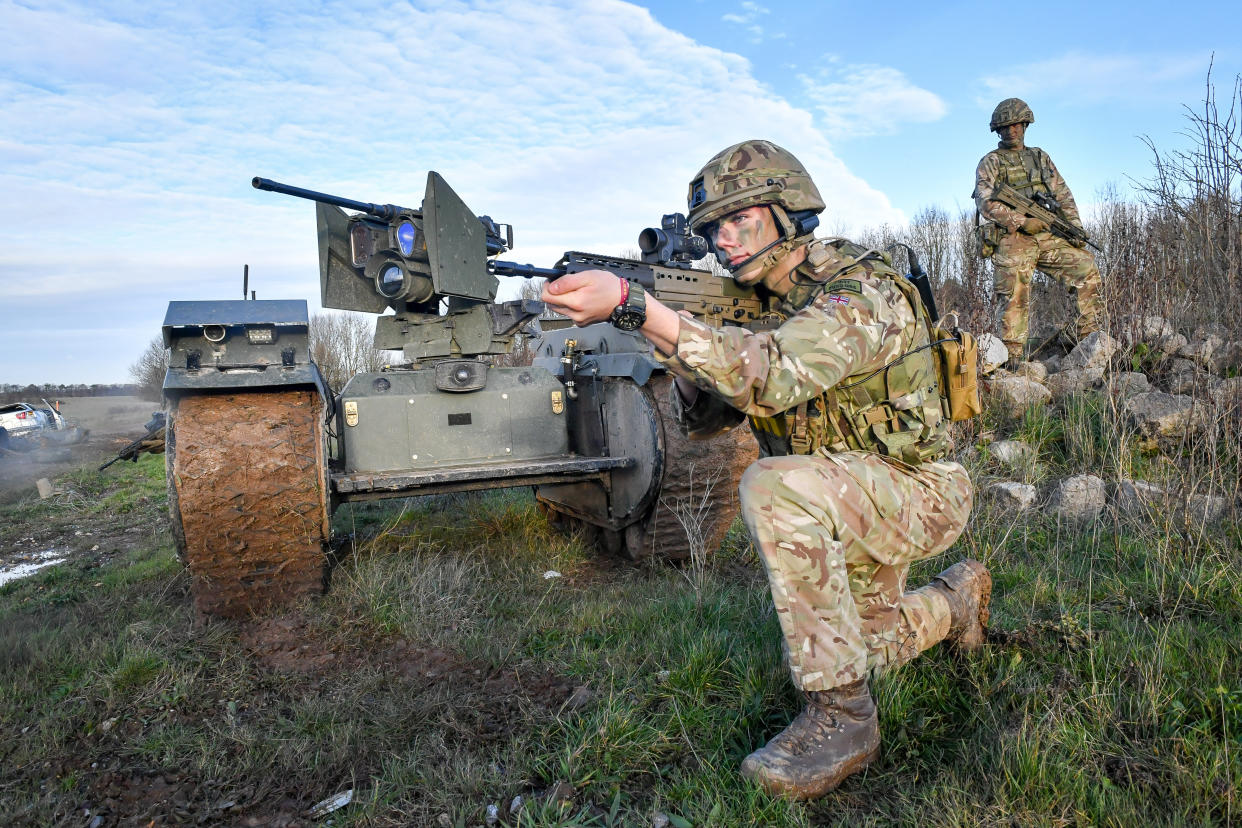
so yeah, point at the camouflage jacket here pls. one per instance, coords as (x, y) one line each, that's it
(1027, 170)
(843, 320)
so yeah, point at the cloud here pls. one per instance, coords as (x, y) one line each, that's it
(1081, 78)
(750, 12)
(867, 99)
(126, 155)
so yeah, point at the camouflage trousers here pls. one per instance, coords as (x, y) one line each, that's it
(1016, 258)
(837, 535)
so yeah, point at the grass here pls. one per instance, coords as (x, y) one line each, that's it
(444, 673)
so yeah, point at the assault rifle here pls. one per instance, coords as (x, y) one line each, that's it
(150, 443)
(1045, 208)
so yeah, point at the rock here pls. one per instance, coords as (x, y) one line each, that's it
(1228, 395)
(1079, 498)
(1230, 357)
(1161, 417)
(992, 352)
(580, 698)
(1186, 378)
(1010, 494)
(1203, 509)
(1170, 345)
(1015, 394)
(1072, 381)
(1203, 351)
(560, 791)
(1127, 383)
(1012, 452)
(1132, 330)
(1034, 371)
(1135, 497)
(1052, 364)
(1094, 352)
(45, 488)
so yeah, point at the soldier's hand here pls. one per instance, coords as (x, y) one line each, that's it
(586, 297)
(1033, 225)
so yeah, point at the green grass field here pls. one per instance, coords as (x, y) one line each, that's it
(443, 673)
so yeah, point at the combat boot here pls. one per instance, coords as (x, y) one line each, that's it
(968, 588)
(835, 735)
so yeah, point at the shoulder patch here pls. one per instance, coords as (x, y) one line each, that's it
(844, 286)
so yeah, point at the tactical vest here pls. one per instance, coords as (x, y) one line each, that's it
(1024, 170)
(895, 410)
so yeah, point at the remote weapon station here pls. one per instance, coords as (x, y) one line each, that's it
(260, 451)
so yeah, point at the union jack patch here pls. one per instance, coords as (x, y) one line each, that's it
(840, 300)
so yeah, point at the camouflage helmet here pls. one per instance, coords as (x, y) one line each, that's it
(1011, 111)
(748, 174)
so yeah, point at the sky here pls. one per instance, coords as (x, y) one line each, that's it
(129, 132)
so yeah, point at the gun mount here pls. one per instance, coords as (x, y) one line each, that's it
(587, 424)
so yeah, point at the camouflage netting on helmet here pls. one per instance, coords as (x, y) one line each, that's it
(746, 175)
(1011, 111)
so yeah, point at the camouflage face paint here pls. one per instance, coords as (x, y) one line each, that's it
(744, 233)
(1011, 136)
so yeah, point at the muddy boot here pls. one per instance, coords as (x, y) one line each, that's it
(968, 587)
(835, 735)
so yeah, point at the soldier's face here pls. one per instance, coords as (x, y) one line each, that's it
(1011, 136)
(740, 235)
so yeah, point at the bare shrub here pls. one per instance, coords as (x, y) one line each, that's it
(948, 251)
(149, 369)
(342, 344)
(1194, 220)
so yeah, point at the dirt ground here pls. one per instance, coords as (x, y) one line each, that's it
(110, 422)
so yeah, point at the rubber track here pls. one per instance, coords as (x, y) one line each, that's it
(690, 466)
(249, 477)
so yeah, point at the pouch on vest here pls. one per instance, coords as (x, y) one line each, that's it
(988, 236)
(958, 355)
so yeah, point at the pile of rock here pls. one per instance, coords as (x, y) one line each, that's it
(1188, 393)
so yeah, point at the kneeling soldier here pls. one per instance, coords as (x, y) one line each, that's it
(853, 485)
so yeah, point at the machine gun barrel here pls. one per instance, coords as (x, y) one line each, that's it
(387, 212)
(495, 242)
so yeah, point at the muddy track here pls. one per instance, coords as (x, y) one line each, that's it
(248, 497)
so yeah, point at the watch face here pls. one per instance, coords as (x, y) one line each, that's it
(629, 320)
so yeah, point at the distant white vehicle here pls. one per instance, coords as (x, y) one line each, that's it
(23, 419)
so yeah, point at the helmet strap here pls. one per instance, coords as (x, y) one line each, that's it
(770, 265)
(749, 270)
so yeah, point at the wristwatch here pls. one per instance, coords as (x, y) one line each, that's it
(632, 312)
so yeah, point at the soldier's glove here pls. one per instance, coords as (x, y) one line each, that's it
(1079, 243)
(1032, 226)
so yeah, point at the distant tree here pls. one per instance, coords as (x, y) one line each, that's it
(148, 372)
(342, 344)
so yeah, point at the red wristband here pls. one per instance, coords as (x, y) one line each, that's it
(625, 291)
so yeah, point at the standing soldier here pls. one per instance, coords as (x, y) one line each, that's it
(1018, 243)
(853, 485)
